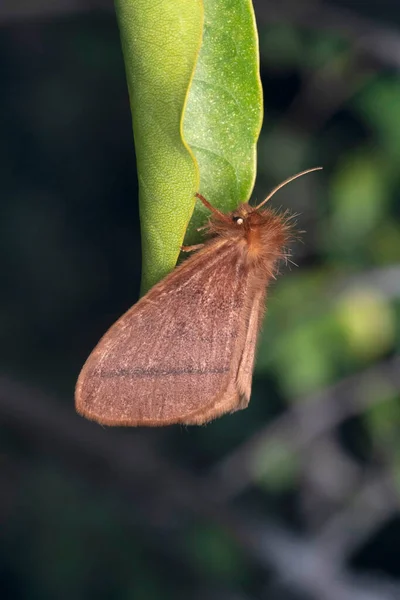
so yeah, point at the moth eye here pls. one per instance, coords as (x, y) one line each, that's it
(238, 220)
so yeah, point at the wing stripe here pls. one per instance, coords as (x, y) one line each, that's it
(154, 372)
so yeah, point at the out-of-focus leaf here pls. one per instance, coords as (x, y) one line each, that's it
(383, 417)
(326, 50)
(214, 551)
(379, 105)
(275, 466)
(297, 325)
(281, 45)
(303, 361)
(383, 421)
(359, 193)
(293, 343)
(384, 244)
(368, 322)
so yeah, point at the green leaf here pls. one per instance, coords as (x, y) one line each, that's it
(160, 42)
(224, 111)
(214, 150)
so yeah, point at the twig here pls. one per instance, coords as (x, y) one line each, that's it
(375, 503)
(384, 279)
(307, 419)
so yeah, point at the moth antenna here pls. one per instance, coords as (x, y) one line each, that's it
(217, 213)
(281, 185)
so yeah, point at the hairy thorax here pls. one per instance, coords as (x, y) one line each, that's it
(260, 235)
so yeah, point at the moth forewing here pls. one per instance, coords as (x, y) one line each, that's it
(246, 366)
(169, 359)
(236, 395)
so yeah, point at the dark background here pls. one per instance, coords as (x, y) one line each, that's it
(296, 498)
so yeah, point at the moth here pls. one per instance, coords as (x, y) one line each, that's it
(185, 352)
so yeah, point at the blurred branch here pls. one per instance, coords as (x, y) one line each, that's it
(307, 419)
(368, 498)
(384, 279)
(308, 569)
(330, 471)
(329, 478)
(132, 460)
(374, 504)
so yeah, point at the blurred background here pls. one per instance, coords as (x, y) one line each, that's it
(296, 498)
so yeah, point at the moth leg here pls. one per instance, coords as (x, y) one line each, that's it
(217, 213)
(191, 248)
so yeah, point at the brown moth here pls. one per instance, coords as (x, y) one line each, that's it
(185, 352)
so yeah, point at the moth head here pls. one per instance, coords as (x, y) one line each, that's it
(240, 215)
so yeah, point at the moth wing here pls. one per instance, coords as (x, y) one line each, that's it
(237, 394)
(246, 365)
(174, 356)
